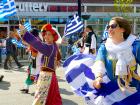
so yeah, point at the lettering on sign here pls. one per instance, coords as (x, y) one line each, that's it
(43, 7)
(31, 7)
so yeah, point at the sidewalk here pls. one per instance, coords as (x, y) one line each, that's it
(14, 81)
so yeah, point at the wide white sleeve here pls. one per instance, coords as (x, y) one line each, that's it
(38, 62)
(93, 42)
(98, 68)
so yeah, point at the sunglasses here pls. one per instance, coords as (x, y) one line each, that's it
(112, 26)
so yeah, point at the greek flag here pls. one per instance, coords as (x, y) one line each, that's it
(7, 8)
(73, 25)
(27, 25)
(1, 7)
(18, 43)
(18, 31)
(80, 75)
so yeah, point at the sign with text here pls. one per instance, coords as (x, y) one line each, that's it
(43, 7)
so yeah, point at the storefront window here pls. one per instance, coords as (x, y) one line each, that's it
(138, 9)
(94, 9)
(108, 9)
(3, 21)
(138, 20)
(3, 32)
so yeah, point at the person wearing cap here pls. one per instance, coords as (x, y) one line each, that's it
(47, 92)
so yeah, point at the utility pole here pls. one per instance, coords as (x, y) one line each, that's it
(79, 8)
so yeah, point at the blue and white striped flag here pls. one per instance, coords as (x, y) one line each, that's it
(27, 25)
(18, 31)
(7, 8)
(18, 43)
(73, 25)
(1, 7)
(80, 75)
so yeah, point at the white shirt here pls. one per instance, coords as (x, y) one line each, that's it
(93, 42)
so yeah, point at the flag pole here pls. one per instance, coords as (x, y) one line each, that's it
(79, 8)
(18, 19)
(8, 28)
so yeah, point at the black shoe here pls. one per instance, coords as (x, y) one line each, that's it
(20, 66)
(6, 68)
(25, 90)
(1, 77)
(32, 94)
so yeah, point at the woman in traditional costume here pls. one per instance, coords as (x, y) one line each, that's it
(47, 92)
(117, 61)
(114, 74)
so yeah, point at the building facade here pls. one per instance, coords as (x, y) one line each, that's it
(56, 12)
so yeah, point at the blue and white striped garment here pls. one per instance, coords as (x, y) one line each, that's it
(80, 75)
(7, 8)
(73, 25)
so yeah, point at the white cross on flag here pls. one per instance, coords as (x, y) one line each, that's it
(7, 8)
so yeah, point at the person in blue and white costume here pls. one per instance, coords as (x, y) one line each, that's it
(115, 68)
(113, 78)
(81, 45)
(78, 46)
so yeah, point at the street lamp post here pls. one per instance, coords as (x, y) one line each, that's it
(85, 17)
(79, 8)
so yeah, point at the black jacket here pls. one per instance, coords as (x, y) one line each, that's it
(10, 47)
(88, 39)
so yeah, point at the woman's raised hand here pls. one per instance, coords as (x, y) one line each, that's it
(22, 29)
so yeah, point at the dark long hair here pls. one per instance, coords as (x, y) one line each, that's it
(90, 28)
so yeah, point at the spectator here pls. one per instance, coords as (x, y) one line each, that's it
(91, 40)
(72, 39)
(11, 51)
(82, 43)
